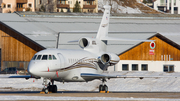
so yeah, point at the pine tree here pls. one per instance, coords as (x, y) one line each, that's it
(62, 10)
(77, 7)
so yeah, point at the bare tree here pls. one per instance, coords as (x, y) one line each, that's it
(51, 5)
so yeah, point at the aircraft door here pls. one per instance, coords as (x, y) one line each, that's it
(62, 60)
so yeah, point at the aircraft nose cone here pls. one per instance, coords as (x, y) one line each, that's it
(31, 68)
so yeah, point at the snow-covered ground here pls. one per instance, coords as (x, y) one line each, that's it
(169, 84)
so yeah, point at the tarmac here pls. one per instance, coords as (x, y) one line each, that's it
(128, 94)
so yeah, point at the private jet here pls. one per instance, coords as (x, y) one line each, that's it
(87, 64)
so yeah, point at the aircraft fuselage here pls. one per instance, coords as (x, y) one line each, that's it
(63, 65)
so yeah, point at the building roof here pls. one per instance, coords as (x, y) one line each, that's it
(44, 30)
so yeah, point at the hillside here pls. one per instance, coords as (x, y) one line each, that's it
(127, 6)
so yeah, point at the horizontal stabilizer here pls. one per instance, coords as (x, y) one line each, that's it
(122, 39)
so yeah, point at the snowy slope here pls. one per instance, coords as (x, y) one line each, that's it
(126, 6)
(120, 84)
(116, 8)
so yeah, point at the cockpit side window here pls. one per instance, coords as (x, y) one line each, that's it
(34, 57)
(54, 58)
(39, 57)
(44, 57)
(50, 57)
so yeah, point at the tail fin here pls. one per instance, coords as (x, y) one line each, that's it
(104, 26)
(103, 29)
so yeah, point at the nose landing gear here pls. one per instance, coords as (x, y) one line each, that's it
(48, 87)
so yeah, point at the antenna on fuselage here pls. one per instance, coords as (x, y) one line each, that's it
(57, 41)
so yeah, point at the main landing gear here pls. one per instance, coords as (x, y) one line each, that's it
(48, 87)
(103, 87)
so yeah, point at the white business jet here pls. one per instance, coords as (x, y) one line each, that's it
(77, 65)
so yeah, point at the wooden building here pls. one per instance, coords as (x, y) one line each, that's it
(165, 56)
(16, 49)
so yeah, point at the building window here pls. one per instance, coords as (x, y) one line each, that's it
(8, 5)
(4, 6)
(69, 2)
(125, 67)
(144, 67)
(134, 67)
(168, 68)
(30, 5)
(19, 5)
(40, 2)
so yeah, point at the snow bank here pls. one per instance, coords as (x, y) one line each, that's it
(170, 84)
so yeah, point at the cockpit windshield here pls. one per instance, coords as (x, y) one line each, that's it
(39, 57)
(54, 58)
(44, 57)
(50, 57)
(34, 57)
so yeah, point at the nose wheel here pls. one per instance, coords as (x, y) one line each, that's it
(50, 87)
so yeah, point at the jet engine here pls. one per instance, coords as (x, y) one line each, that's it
(109, 58)
(88, 43)
(84, 42)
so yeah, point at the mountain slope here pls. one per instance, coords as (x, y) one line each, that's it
(127, 6)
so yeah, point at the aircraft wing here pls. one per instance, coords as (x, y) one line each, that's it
(18, 76)
(108, 76)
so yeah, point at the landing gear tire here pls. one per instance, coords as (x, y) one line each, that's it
(54, 89)
(46, 90)
(50, 88)
(100, 88)
(105, 87)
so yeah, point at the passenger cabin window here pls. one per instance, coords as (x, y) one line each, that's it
(39, 57)
(34, 58)
(44, 57)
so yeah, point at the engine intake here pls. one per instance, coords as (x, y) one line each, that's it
(83, 42)
(109, 58)
(105, 58)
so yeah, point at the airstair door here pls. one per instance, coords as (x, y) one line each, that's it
(62, 60)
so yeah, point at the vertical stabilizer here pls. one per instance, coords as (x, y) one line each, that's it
(104, 26)
(103, 29)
